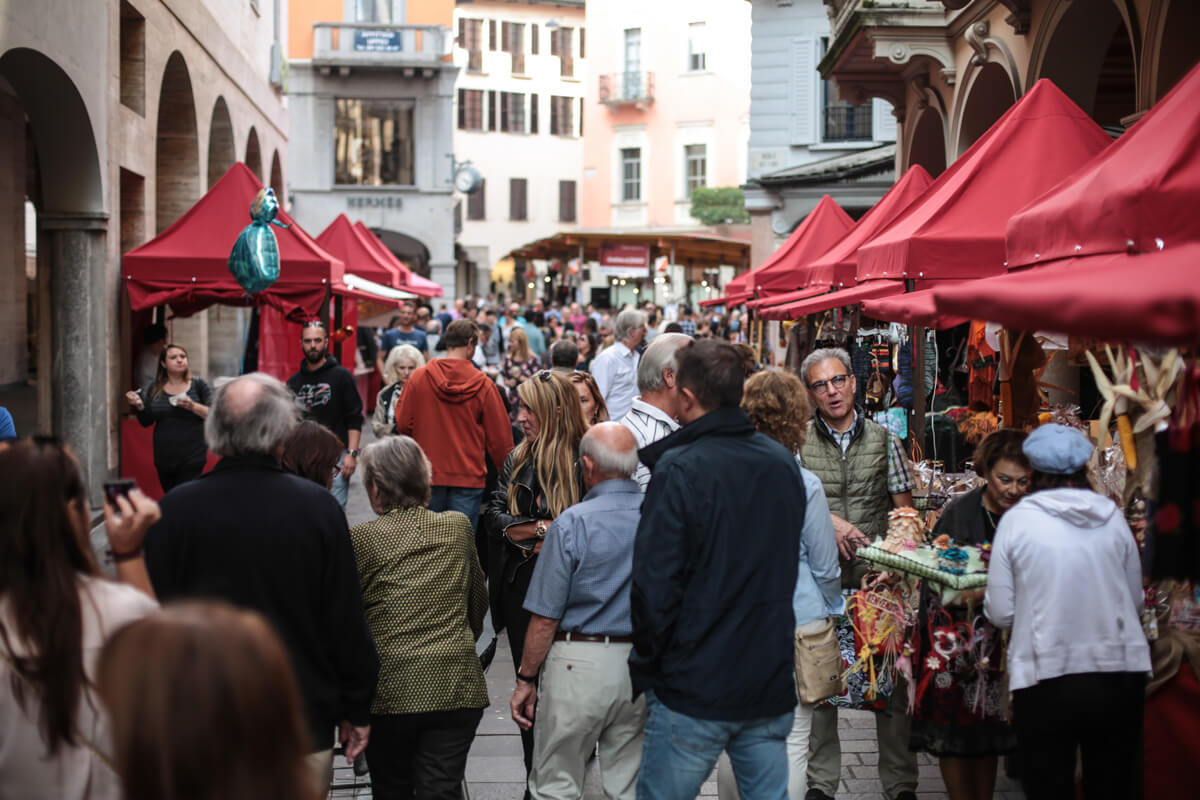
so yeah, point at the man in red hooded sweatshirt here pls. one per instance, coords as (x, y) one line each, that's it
(455, 413)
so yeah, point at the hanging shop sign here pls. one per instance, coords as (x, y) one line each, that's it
(369, 41)
(624, 260)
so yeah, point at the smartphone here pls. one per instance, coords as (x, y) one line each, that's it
(119, 488)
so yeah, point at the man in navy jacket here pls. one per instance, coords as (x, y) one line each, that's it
(713, 573)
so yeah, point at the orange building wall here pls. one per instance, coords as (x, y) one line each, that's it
(430, 12)
(301, 16)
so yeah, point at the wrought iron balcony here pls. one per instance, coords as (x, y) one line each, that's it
(847, 123)
(379, 45)
(627, 88)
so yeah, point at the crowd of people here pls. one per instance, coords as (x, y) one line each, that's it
(655, 523)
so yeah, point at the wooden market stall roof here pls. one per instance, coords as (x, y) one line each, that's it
(685, 247)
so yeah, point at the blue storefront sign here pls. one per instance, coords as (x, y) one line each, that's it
(377, 41)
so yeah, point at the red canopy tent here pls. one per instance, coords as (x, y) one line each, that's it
(411, 281)
(735, 299)
(185, 266)
(956, 229)
(780, 273)
(846, 297)
(914, 308)
(787, 297)
(358, 256)
(1125, 235)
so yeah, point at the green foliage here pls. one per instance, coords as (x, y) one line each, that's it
(719, 206)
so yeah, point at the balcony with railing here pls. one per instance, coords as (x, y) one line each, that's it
(847, 123)
(627, 88)
(379, 44)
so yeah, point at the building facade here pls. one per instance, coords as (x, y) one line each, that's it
(371, 93)
(114, 118)
(518, 116)
(806, 140)
(952, 68)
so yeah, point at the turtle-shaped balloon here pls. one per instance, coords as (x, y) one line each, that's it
(254, 261)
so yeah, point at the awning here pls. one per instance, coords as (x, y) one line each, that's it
(913, 308)
(186, 265)
(845, 297)
(735, 299)
(838, 266)
(346, 242)
(956, 229)
(365, 289)
(787, 297)
(1140, 195)
(411, 281)
(784, 271)
(1152, 297)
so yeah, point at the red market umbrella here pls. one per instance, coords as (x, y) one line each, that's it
(845, 297)
(186, 265)
(839, 265)
(913, 308)
(781, 272)
(956, 229)
(1149, 297)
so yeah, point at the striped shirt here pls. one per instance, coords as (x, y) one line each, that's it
(648, 424)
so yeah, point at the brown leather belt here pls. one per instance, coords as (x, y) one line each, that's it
(570, 636)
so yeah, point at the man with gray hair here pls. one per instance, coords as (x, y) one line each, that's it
(580, 629)
(653, 413)
(564, 356)
(260, 538)
(615, 369)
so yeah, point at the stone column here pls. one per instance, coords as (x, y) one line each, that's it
(80, 396)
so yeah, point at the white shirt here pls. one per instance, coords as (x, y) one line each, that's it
(1065, 576)
(648, 424)
(615, 371)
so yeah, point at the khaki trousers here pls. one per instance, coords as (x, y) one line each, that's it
(897, 766)
(584, 699)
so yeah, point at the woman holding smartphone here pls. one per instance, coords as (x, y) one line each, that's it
(176, 405)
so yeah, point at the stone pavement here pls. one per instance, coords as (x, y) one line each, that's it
(495, 770)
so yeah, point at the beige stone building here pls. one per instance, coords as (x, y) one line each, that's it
(952, 67)
(115, 116)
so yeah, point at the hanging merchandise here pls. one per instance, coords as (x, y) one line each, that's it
(981, 361)
(1176, 519)
(1020, 358)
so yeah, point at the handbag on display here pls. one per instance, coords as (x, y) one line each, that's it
(819, 665)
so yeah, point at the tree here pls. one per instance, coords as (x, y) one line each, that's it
(719, 205)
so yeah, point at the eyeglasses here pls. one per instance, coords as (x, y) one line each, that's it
(822, 387)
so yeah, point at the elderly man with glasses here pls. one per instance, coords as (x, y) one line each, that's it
(863, 469)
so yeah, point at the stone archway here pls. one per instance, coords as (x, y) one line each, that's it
(1177, 49)
(1090, 54)
(177, 147)
(411, 251)
(49, 156)
(276, 181)
(253, 157)
(927, 146)
(222, 152)
(988, 97)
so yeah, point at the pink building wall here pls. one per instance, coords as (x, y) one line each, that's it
(708, 106)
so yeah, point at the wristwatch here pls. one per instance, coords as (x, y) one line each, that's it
(353, 453)
(541, 529)
(526, 678)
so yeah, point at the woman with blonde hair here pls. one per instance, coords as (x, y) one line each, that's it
(402, 362)
(590, 400)
(519, 363)
(240, 734)
(540, 479)
(777, 404)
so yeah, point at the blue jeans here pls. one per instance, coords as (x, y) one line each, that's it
(341, 486)
(679, 753)
(457, 498)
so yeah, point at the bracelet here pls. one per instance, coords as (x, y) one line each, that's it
(130, 556)
(526, 678)
(353, 453)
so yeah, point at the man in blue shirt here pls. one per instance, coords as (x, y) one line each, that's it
(580, 630)
(403, 331)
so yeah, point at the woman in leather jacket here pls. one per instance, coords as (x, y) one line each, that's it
(539, 480)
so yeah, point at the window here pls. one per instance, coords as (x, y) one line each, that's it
(566, 201)
(470, 109)
(631, 174)
(632, 83)
(533, 38)
(516, 199)
(470, 38)
(491, 34)
(560, 116)
(840, 121)
(373, 142)
(533, 113)
(695, 167)
(491, 96)
(697, 58)
(513, 42)
(133, 59)
(512, 112)
(384, 11)
(561, 46)
(476, 202)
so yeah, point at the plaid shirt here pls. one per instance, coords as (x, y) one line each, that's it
(899, 481)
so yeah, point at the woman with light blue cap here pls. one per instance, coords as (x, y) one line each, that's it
(1066, 578)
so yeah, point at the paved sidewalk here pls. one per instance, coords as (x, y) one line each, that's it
(495, 770)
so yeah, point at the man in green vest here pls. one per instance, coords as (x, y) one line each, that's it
(864, 472)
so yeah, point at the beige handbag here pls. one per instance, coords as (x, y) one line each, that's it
(819, 667)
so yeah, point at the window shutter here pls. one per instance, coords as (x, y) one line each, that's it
(506, 37)
(555, 45)
(462, 109)
(533, 38)
(505, 100)
(491, 34)
(491, 110)
(802, 90)
(533, 113)
(883, 121)
(581, 116)
(462, 32)
(566, 201)
(582, 49)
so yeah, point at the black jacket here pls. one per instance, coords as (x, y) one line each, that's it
(714, 569)
(260, 538)
(330, 396)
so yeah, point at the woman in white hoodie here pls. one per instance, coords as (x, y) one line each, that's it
(1065, 576)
